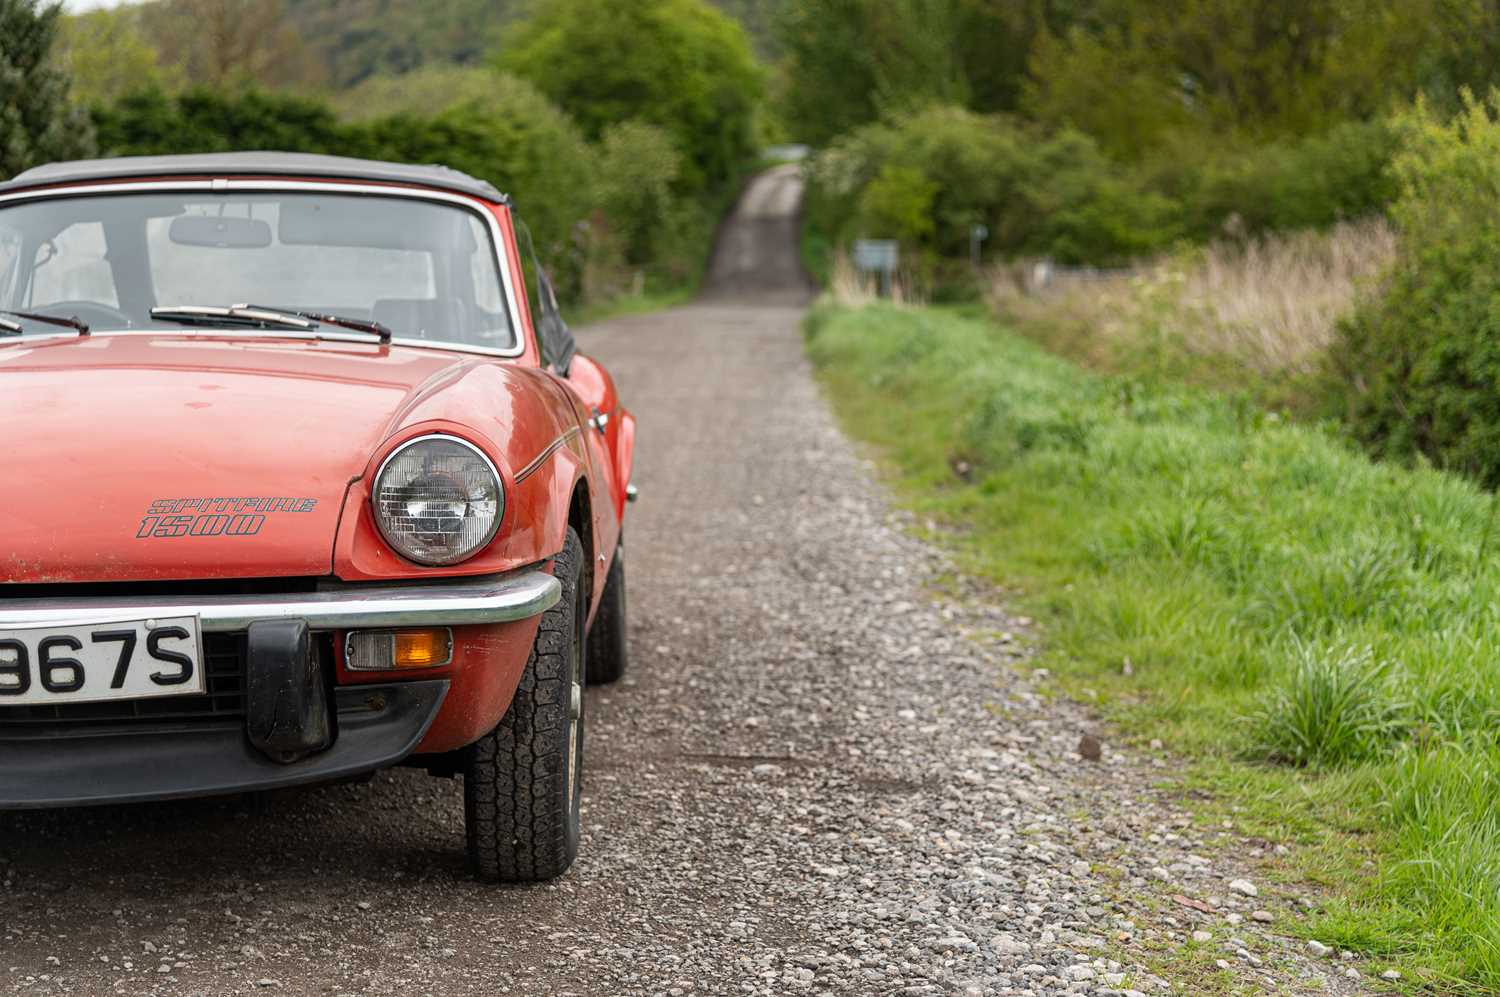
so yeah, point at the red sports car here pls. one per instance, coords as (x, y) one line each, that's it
(308, 479)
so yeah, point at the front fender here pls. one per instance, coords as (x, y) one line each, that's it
(550, 492)
(532, 526)
(624, 458)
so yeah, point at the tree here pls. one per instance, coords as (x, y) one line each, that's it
(677, 64)
(427, 90)
(37, 120)
(1456, 46)
(1134, 74)
(637, 166)
(848, 62)
(994, 40)
(758, 17)
(231, 43)
(1110, 85)
(359, 39)
(838, 75)
(107, 55)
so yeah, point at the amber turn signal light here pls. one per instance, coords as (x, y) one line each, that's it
(395, 650)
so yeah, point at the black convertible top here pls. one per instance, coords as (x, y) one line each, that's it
(237, 164)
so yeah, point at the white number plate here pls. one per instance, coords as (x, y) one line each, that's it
(91, 662)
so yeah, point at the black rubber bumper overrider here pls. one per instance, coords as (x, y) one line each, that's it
(286, 702)
(378, 726)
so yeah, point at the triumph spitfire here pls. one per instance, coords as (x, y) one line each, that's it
(308, 479)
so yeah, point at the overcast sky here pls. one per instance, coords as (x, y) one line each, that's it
(77, 5)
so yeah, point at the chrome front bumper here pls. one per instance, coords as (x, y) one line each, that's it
(487, 599)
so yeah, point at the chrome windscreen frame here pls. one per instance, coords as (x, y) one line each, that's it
(232, 185)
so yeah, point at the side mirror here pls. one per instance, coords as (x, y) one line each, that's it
(558, 344)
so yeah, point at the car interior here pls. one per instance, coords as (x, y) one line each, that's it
(424, 269)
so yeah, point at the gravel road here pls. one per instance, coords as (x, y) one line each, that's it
(824, 774)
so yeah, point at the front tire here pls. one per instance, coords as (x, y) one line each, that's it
(606, 657)
(523, 781)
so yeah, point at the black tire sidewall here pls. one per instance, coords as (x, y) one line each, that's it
(608, 654)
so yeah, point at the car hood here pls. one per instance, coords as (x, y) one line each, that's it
(150, 457)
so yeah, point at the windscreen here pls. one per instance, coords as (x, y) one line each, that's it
(426, 269)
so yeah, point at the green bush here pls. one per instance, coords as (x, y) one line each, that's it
(1418, 364)
(1312, 182)
(926, 178)
(898, 203)
(1078, 207)
(427, 90)
(150, 122)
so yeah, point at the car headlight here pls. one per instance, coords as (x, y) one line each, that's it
(438, 500)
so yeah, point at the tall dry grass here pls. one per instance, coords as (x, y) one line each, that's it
(1270, 305)
(849, 287)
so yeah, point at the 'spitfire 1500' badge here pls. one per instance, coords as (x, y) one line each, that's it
(167, 519)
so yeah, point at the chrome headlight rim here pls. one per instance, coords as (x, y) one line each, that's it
(438, 437)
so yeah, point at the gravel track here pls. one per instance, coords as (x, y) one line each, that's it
(823, 774)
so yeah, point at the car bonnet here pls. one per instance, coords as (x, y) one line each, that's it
(191, 456)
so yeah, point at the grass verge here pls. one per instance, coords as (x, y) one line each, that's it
(1320, 633)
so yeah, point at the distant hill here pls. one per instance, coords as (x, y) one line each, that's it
(357, 39)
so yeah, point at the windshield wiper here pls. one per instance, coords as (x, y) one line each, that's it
(69, 323)
(357, 324)
(233, 314)
(264, 317)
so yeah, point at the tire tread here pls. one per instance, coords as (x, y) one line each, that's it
(518, 818)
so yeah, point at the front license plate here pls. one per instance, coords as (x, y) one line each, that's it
(93, 662)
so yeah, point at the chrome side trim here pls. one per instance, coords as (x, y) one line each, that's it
(486, 599)
(536, 462)
(225, 185)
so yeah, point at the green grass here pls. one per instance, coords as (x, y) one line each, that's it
(1318, 633)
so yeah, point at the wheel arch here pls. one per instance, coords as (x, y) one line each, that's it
(581, 519)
